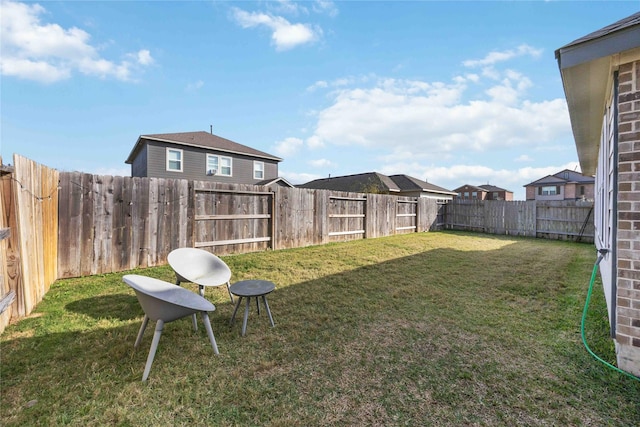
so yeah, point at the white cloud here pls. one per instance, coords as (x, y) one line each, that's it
(425, 119)
(289, 7)
(288, 146)
(315, 142)
(195, 86)
(48, 53)
(495, 57)
(298, 178)
(321, 163)
(325, 6)
(144, 57)
(284, 35)
(524, 158)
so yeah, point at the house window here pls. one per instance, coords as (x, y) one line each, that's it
(582, 190)
(258, 170)
(466, 194)
(474, 195)
(496, 195)
(218, 165)
(549, 190)
(174, 160)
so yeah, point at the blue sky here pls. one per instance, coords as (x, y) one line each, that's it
(451, 92)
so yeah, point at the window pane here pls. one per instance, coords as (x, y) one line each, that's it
(212, 163)
(258, 170)
(549, 190)
(225, 166)
(174, 160)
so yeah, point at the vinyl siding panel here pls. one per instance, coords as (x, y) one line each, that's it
(139, 165)
(194, 165)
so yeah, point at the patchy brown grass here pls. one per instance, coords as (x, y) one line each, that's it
(418, 329)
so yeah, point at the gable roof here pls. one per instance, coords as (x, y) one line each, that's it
(492, 188)
(200, 139)
(586, 66)
(472, 187)
(563, 177)
(409, 183)
(355, 183)
(279, 180)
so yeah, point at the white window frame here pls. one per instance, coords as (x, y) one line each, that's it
(258, 169)
(220, 167)
(180, 159)
(546, 190)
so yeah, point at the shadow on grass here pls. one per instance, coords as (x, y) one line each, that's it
(438, 323)
(115, 306)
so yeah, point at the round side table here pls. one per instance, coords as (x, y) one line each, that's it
(251, 289)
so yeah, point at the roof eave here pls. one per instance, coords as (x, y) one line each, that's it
(587, 73)
(170, 141)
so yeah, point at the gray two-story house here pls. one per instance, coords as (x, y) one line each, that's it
(202, 156)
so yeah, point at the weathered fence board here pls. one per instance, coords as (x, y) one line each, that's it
(33, 193)
(566, 220)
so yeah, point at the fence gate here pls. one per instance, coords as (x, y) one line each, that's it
(226, 218)
(347, 216)
(406, 215)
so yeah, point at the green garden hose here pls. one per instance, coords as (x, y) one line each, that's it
(584, 317)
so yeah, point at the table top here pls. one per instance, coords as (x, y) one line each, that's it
(252, 288)
(168, 292)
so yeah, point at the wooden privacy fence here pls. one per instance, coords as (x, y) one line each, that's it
(564, 220)
(111, 224)
(68, 224)
(29, 212)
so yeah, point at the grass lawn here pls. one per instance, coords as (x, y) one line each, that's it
(419, 329)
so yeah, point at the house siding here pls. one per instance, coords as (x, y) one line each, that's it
(194, 165)
(628, 219)
(139, 165)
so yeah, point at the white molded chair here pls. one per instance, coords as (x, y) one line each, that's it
(200, 267)
(164, 303)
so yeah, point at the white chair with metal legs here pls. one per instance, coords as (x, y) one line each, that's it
(164, 303)
(200, 267)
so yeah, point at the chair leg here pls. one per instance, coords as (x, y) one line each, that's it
(207, 326)
(229, 290)
(194, 320)
(141, 331)
(154, 347)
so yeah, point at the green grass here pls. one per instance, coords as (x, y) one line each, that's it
(419, 329)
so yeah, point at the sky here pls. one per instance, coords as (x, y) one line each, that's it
(451, 92)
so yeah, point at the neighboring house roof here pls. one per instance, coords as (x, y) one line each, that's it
(355, 183)
(409, 183)
(278, 180)
(373, 180)
(586, 66)
(471, 187)
(201, 139)
(492, 188)
(562, 178)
